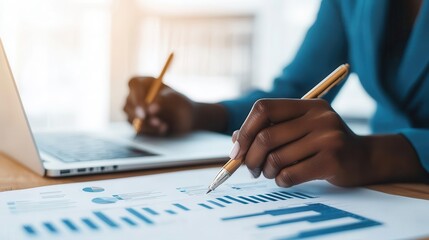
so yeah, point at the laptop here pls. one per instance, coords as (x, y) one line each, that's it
(56, 154)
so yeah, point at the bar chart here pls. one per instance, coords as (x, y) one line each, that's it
(149, 216)
(155, 207)
(312, 213)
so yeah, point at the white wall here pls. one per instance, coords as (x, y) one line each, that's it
(59, 54)
(72, 58)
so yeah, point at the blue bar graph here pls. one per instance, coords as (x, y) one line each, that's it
(70, 225)
(283, 195)
(330, 230)
(29, 230)
(216, 203)
(235, 199)
(276, 196)
(325, 213)
(129, 221)
(50, 227)
(90, 223)
(303, 194)
(140, 216)
(248, 199)
(205, 206)
(181, 206)
(224, 201)
(150, 211)
(109, 222)
(102, 220)
(268, 198)
(258, 199)
(171, 212)
(293, 195)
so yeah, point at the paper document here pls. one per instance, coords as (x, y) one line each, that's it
(175, 206)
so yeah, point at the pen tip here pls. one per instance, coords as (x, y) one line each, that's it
(208, 191)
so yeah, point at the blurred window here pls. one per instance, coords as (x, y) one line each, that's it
(72, 58)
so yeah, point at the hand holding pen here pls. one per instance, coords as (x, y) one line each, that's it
(154, 108)
(150, 95)
(298, 140)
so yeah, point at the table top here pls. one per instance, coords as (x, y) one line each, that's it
(14, 176)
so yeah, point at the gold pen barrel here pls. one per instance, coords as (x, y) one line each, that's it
(153, 92)
(318, 91)
(157, 84)
(329, 82)
(232, 165)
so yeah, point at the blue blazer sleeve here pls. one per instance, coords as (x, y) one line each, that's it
(324, 48)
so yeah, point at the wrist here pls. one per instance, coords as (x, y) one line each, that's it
(391, 158)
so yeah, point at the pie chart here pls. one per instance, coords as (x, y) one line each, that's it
(93, 189)
(104, 200)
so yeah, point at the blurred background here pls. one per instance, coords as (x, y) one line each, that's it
(72, 59)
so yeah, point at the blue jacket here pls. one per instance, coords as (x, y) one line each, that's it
(352, 32)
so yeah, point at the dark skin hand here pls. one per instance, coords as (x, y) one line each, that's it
(289, 140)
(171, 113)
(294, 141)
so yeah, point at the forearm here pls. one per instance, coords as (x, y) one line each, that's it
(393, 159)
(211, 117)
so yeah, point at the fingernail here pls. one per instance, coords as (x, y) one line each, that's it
(140, 112)
(155, 122)
(235, 132)
(255, 172)
(234, 136)
(234, 151)
(153, 108)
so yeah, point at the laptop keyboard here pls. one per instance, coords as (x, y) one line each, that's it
(81, 147)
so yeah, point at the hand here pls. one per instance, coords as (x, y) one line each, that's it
(171, 113)
(295, 141)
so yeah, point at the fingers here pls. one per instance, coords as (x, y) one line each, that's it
(175, 110)
(169, 113)
(271, 138)
(139, 112)
(139, 86)
(269, 111)
(153, 109)
(154, 126)
(295, 141)
(289, 155)
(136, 107)
(309, 169)
(151, 122)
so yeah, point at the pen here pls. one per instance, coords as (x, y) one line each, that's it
(316, 92)
(153, 92)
